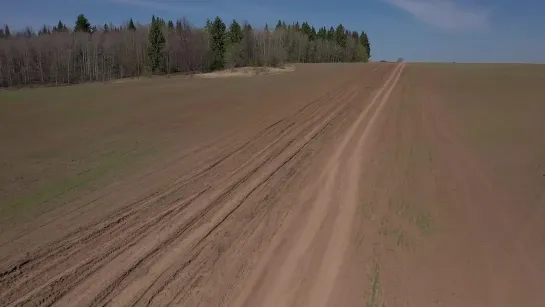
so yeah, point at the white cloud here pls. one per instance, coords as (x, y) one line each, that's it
(447, 14)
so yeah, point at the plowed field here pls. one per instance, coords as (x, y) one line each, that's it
(333, 185)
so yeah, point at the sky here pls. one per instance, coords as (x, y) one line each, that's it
(416, 30)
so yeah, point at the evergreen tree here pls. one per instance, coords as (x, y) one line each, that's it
(248, 52)
(266, 29)
(355, 36)
(178, 25)
(340, 36)
(305, 28)
(170, 25)
(364, 40)
(156, 43)
(131, 24)
(322, 33)
(60, 27)
(82, 24)
(161, 22)
(278, 25)
(218, 44)
(7, 32)
(208, 26)
(331, 34)
(235, 33)
(105, 28)
(45, 30)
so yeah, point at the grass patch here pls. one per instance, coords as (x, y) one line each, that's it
(401, 238)
(49, 191)
(424, 223)
(375, 287)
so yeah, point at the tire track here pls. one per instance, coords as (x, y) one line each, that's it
(285, 280)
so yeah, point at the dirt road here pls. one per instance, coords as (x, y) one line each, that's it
(355, 198)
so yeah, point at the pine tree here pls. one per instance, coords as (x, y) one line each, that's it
(235, 32)
(170, 24)
(131, 24)
(105, 28)
(278, 25)
(218, 44)
(82, 24)
(156, 43)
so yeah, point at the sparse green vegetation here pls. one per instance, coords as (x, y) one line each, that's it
(424, 223)
(372, 301)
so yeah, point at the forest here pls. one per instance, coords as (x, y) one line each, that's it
(63, 55)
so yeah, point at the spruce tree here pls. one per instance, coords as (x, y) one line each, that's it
(235, 32)
(170, 25)
(156, 43)
(356, 36)
(218, 44)
(131, 25)
(322, 33)
(44, 31)
(60, 27)
(178, 25)
(340, 36)
(305, 28)
(82, 24)
(312, 33)
(208, 26)
(278, 25)
(364, 40)
(331, 34)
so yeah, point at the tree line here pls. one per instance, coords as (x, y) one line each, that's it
(85, 53)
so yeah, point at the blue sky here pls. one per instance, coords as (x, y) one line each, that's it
(417, 30)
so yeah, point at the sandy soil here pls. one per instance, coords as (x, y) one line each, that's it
(247, 72)
(359, 190)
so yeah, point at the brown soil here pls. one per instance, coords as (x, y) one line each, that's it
(363, 189)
